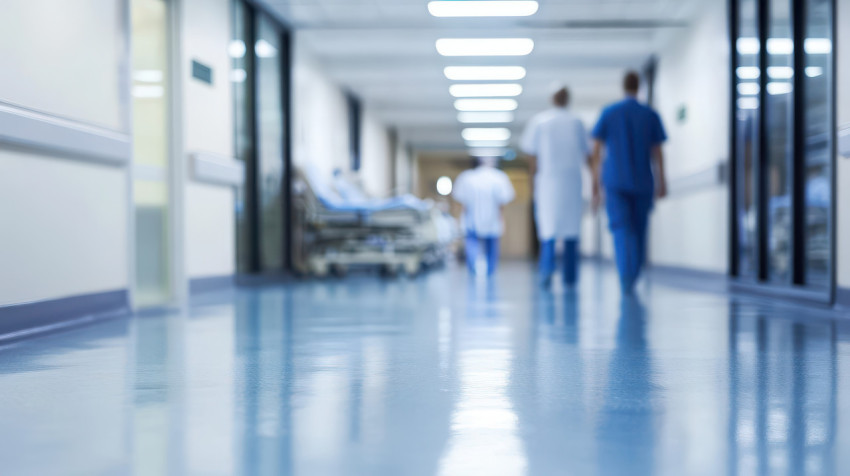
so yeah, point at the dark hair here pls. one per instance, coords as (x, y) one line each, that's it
(561, 97)
(631, 82)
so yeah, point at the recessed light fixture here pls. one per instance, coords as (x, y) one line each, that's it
(486, 133)
(484, 90)
(485, 46)
(484, 73)
(485, 117)
(483, 8)
(485, 104)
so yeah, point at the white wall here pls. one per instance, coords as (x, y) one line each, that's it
(64, 227)
(321, 128)
(689, 228)
(210, 233)
(843, 119)
(319, 116)
(63, 221)
(376, 157)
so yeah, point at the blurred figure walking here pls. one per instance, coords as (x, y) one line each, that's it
(483, 192)
(557, 145)
(631, 134)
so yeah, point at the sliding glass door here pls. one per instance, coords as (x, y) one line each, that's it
(783, 144)
(259, 52)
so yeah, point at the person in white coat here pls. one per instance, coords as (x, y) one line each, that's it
(558, 146)
(483, 192)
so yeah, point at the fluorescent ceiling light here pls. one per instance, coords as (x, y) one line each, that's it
(818, 46)
(748, 46)
(780, 72)
(484, 73)
(482, 8)
(748, 89)
(484, 90)
(485, 133)
(484, 46)
(485, 117)
(780, 46)
(478, 144)
(148, 76)
(264, 49)
(814, 71)
(748, 103)
(485, 104)
(487, 152)
(748, 72)
(236, 49)
(776, 88)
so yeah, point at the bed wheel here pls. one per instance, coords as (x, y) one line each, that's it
(339, 270)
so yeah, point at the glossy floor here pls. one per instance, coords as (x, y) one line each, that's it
(436, 375)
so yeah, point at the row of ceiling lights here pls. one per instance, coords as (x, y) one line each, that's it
(484, 96)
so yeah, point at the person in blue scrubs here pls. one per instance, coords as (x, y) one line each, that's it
(631, 134)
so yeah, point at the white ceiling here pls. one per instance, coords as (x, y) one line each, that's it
(383, 51)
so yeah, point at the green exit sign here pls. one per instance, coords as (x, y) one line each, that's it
(202, 72)
(682, 114)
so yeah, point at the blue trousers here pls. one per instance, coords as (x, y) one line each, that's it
(570, 264)
(628, 217)
(473, 248)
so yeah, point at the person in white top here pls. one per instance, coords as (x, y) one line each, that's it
(483, 192)
(558, 146)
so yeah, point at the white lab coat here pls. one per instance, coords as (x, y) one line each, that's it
(558, 139)
(482, 192)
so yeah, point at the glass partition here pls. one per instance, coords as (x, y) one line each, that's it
(151, 152)
(783, 149)
(817, 131)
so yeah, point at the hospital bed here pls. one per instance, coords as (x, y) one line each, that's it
(337, 226)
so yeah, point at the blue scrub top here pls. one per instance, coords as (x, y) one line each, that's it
(629, 131)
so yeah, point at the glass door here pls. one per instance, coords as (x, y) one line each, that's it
(151, 144)
(783, 146)
(259, 52)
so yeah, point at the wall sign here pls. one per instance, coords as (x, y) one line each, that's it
(202, 72)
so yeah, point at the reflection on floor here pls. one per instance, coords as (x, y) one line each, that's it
(437, 375)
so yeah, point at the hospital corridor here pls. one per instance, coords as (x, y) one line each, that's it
(424, 237)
